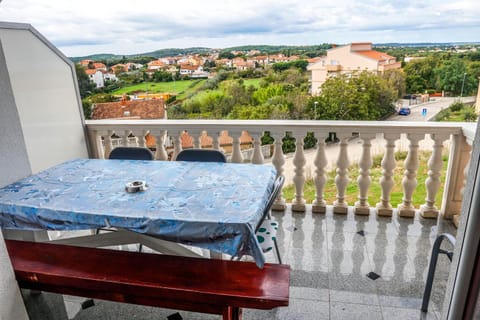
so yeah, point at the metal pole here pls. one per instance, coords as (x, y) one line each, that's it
(315, 110)
(463, 83)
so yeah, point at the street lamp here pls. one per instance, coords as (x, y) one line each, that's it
(463, 83)
(315, 110)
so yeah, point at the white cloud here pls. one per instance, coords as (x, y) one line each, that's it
(85, 27)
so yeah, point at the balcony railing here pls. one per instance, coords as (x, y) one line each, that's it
(389, 136)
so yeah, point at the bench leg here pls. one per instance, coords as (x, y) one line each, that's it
(232, 313)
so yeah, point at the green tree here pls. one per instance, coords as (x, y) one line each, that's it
(420, 74)
(226, 55)
(262, 95)
(249, 112)
(451, 76)
(85, 85)
(363, 96)
(396, 78)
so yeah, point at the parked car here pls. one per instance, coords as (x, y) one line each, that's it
(410, 96)
(404, 111)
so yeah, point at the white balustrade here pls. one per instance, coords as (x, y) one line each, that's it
(319, 205)
(108, 144)
(298, 203)
(362, 207)
(161, 152)
(429, 209)
(468, 148)
(326, 157)
(341, 180)
(409, 182)
(257, 156)
(278, 160)
(236, 150)
(384, 208)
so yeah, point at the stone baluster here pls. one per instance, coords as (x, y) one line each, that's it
(458, 163)
(299, 161)
(257, 156)
(177, 144)
(406, 208)
(278, 160)
(362, 207)
(384, 207)
(340, 206)
(236, 151)
(196, 138)
(125, 140)
(216, 141)
(140, 138)
(469, 143)
(429, 210)
(108, 143)
(319, 205)
(96, 145)
(161, 152)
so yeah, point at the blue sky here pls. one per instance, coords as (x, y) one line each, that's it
(125, 27)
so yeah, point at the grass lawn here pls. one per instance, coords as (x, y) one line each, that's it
(374, 192)
(252, 82)
(180, 87)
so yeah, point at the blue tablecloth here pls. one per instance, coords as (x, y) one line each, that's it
(214, 206)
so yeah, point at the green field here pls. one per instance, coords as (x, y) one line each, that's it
(252, 82)
(181, 88)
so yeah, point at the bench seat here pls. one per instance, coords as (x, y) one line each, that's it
(176, 282)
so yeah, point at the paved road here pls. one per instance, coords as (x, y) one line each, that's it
(355, 145)
(433, 107)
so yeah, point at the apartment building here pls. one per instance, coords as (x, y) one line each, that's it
(354, 57)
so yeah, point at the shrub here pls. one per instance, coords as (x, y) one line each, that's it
(469, 115)
(456, 106)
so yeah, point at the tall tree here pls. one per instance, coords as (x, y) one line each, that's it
(363, 96)
(451, 76)
(420, 74)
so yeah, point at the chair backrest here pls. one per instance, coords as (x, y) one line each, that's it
(131, 153)
(202, 155)
(277, 187)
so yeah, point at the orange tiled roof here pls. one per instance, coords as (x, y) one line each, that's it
(99, 65)
(188, 67)
(380, 56)
(313, 60)
(85, 62)
(91, 71)
(156, 63)
(143, 109)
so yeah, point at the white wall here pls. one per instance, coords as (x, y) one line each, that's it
(46, 94)
(13, 166)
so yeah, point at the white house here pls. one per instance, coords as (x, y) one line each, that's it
(96, 76)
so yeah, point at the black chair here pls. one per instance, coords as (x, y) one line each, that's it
(131, 153)
(266, 230)
(202, 155)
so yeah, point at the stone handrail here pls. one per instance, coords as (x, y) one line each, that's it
(389, 135)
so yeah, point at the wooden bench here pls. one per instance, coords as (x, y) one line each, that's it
(176, 282)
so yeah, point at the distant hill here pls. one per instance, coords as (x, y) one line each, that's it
(154, 54)
(424, 44)
(279, 48)
(310, 50)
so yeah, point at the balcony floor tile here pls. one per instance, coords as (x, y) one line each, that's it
(330, 256)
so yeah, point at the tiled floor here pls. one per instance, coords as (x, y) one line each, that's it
(330, 256)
